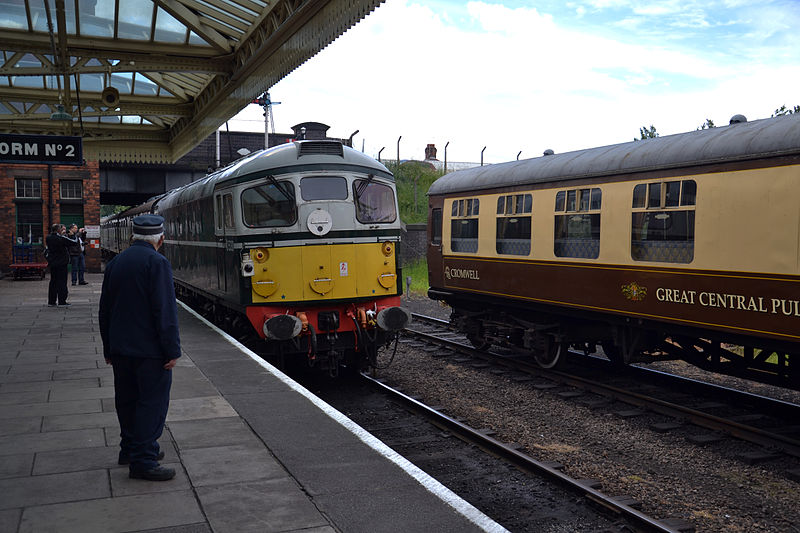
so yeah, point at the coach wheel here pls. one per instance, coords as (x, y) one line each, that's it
(613, 353)
(552, 355)
(479, 342)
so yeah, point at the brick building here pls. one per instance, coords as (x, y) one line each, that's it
(33, 197)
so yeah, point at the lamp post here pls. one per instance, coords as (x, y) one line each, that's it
(350, 140)
(445, 156)
(398, 151)
(484, 149)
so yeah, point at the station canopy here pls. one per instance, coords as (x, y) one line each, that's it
(148, 80)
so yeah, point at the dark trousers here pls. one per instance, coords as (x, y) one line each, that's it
(58, 285)
(142, 398)
(78, 267)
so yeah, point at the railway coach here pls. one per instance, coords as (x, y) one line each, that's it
(297, 243)
(679, 247)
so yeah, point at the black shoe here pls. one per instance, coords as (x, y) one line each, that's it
(51, 305)
(64, 305)
(125, 460)
(159, 473)
(83, 283)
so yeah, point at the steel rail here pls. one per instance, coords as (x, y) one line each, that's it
(751, 434)
(520, 460)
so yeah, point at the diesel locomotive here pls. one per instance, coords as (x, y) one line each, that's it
(297, 243)
(679, 247)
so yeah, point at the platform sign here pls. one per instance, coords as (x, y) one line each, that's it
(42, 149)
(92, 232)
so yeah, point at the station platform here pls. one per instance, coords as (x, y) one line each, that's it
(254, 450)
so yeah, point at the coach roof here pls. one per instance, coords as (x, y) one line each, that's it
(773, 137)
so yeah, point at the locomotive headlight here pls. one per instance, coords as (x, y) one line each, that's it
(387, 248)
(260, 255)
(248, 268)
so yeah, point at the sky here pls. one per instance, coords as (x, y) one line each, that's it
(516, 76)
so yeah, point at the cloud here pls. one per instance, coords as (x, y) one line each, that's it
(483, 74)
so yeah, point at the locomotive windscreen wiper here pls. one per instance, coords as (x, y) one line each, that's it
(276, 184)
(363, 185)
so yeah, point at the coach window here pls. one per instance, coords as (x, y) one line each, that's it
(464, 225)
(577, 223)
(270, 204)
(663, 221)
(436, 226)
(374, 202)
(323, 188)
(514, 224)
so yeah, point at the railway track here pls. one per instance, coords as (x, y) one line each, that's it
(657, 392)
(517, 491)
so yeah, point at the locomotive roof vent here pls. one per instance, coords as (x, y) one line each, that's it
(738, 119)
(320, 148)
(549, 152)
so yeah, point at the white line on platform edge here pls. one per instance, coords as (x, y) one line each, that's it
(432, 485)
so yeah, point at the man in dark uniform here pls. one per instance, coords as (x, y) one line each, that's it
(139, 328)
(57, 260)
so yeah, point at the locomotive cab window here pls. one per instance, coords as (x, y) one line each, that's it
(323, 188)
(227, 211)
(374, 202)
(269, 204)
(662, 226)
(464, 225)
(514, 224)
(577, 223)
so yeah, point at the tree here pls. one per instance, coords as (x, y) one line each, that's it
(783, 110)
(647, 133)
(109, 209)
(708, 124)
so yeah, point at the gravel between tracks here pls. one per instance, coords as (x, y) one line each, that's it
(673, 478)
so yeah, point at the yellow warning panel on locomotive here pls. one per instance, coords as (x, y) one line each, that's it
(324, 272)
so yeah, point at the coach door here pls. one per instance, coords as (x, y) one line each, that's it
(223, 205)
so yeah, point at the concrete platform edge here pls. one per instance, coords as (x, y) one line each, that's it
(430, 484)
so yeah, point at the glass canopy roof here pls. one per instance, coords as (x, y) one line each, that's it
(163, 73)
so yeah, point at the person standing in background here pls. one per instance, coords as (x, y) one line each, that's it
(76, 254)
(82, 267)
(139, 327)
(57, 260)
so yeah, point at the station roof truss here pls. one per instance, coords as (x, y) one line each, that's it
(147, 80)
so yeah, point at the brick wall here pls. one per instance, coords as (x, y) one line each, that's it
(51, 203)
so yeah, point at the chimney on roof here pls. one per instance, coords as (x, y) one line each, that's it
(430, 152)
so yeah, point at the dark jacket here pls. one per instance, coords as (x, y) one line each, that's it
(138, 312)
(58, 252)
(73, 245)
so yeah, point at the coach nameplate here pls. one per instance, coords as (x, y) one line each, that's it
(461, 273)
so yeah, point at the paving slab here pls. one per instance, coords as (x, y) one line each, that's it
(111, 515)
(264, 506)
(57, 440)
(53, 488)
